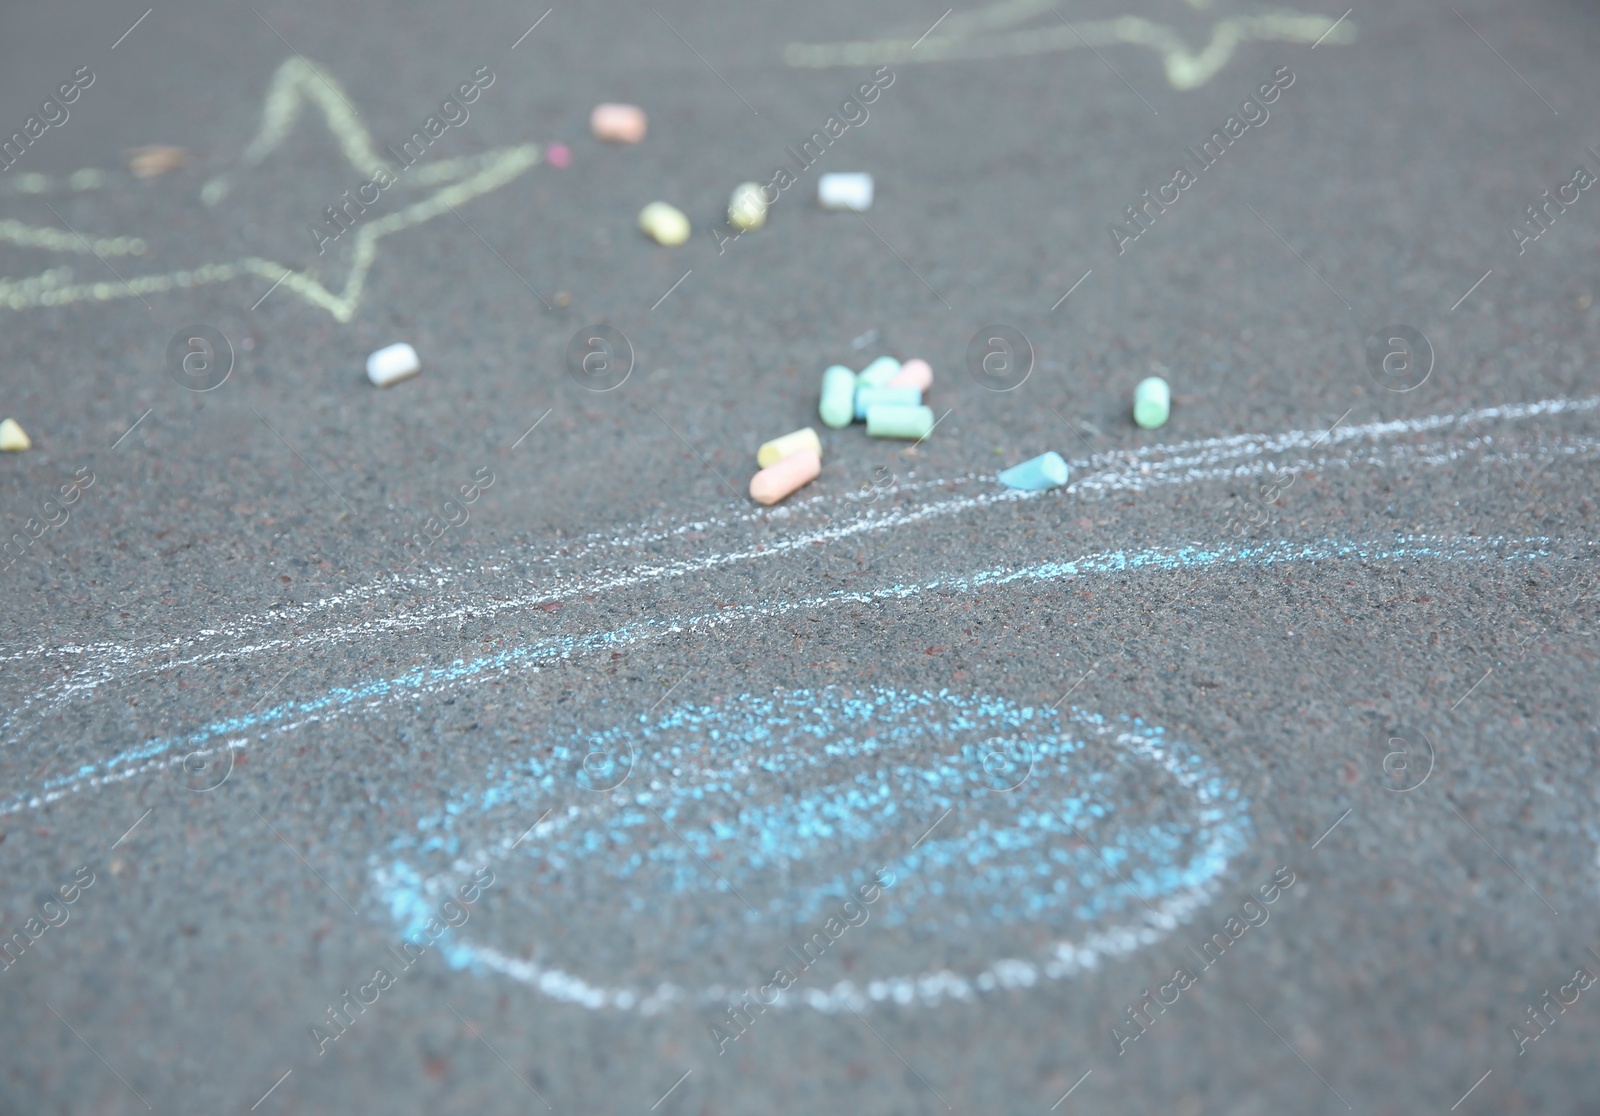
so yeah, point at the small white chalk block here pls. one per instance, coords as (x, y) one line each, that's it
(845, 191)
(393, 363)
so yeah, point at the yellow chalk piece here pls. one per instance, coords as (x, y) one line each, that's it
(776, 450)
(664, 224)
(14, 439)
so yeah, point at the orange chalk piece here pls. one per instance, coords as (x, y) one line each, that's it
(913, 374)
(789, 474)
(618, 123)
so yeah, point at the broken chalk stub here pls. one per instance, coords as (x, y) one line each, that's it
(618, 123)
(1152, 402)
(785, 476)
(14, 439)
(776, 450)
(916, 373)
(393, 363)
(845, 190)
(1048, 470)
(838, 407)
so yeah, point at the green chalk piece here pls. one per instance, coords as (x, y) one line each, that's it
(838, 407)
(879, 372)
(886, 420)
(1152, 402)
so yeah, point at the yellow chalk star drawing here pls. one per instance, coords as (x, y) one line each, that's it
(982, 34)
(296, 85)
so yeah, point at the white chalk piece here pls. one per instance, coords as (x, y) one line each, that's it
(845, 191)
(393, 363)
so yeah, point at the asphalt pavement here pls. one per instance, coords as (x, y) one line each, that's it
(477, 745)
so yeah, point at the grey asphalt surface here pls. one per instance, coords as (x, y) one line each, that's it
(184, 589)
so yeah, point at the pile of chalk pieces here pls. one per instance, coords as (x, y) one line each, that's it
(887, 396)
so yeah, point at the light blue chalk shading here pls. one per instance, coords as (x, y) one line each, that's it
(1048, 470)
(798, 797)
(879, 372)
(867, 395)
(420, 681)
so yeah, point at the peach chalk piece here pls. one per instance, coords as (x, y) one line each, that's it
(776, 481)
(618, 123)
(916, 373)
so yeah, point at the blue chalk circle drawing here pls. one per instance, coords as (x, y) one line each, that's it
(685, 856)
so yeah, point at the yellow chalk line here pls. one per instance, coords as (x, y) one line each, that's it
(1185, 69)
(296, 84)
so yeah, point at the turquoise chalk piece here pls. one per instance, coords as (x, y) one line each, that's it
(838, 405)
(868, 396)
(1152, 402)
(885, 420)
(879, 372)
(1048, 470)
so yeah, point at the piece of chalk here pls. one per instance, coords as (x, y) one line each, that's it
(869, 396)
(838, 406)
(618, 123)
(784, 476)
(747, 209)
(1047, 470)
(888, 421)
(393, 363)
(1152, 402)
(558, 155)
(776, 450)
(845, 191)
(879, 372)
(664, 224)
(916, 373)
(14, 439)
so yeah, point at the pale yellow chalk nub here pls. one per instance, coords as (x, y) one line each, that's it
(776, 450)
(781, 478)
(664, 224)
(747, 209)
(14, 439)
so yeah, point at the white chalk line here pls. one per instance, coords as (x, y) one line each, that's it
(426, 682)
(1136, 470)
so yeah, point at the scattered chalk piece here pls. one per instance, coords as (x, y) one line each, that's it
(879, 372)
(558, 155)
(747, 209)
(885, 420)
(1152, 402)
(916, 373)
(776, 450)
(785, 476)
(664, 224)
(838, 406)
(1048, 470)
(845, 190)
(616, 123)
(868, 395)
(14, 439)
(393, 363)
(156, 160)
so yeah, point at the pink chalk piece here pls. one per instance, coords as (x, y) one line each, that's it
(784, 476)
(916, 373)
(559, 154)
(618, 123)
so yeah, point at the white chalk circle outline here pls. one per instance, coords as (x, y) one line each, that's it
(413, 898)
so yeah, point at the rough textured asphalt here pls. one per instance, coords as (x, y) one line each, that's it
(237, 570)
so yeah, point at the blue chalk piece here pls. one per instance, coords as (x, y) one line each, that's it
(1047, 470)
(868, 394)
